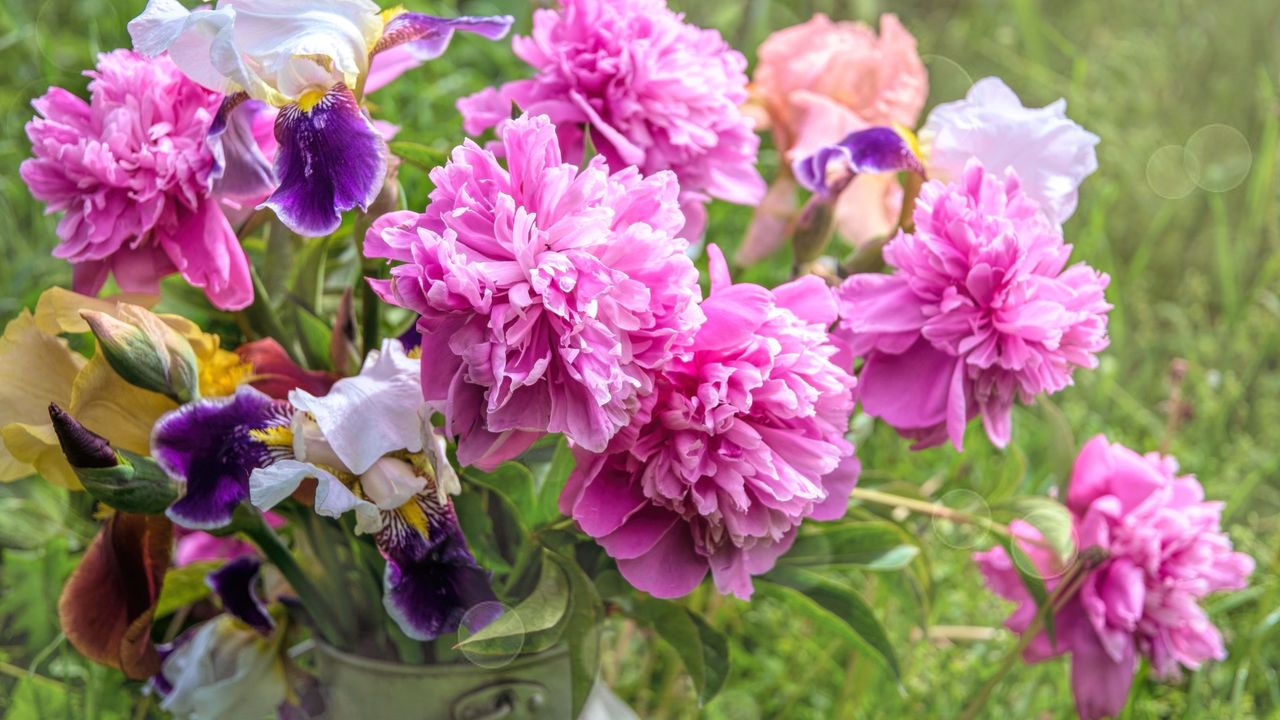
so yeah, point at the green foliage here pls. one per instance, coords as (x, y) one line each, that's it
(835, 607)
(1195, 278)
(531, 626)
(185, 585)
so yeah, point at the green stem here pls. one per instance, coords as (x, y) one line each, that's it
(932, 509)
(370, 306)
(275, 551)
(263, 319)
(1071, 583)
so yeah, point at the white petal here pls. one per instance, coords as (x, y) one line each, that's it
(271, 485)
(190, 39)
(277, 33)
(1050, 153)
(225, 671)
(372, 414)
(158, 27)
(391, 483)
(334, 499)
(447, 482)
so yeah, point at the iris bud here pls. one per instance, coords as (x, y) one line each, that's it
(146, 352)
(121, 479)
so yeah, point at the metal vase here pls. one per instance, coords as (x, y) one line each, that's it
(530, 687)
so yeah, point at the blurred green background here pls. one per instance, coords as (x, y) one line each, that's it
(1184, 214)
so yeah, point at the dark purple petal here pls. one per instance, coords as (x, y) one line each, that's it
(241, 170)
(82, 447)
(331, 159)
(236, 585)
(432, 579)
(874, 150)
(430, 35)
(411, 338)
(208, 445)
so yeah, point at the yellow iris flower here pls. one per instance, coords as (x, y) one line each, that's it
(38, 367)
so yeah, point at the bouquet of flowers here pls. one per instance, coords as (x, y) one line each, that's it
(458, 422)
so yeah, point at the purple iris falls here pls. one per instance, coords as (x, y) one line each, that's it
(873, 150)
(210, 446)
(331, 160)
(431, 580)
(235, 583)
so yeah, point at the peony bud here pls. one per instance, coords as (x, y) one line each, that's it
(146, 352)
(126, 482)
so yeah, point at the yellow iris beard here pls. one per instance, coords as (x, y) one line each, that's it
(275, 436)
(912, 141)
(414, 516)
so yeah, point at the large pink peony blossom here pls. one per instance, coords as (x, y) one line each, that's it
(134, 175)
(654, 91)
(548, 295)
(981, 310)
(1164, 550)
(743, 440)
(815, 83)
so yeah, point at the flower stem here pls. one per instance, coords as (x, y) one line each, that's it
(925, 507)
(313, 600)
(1071, 583)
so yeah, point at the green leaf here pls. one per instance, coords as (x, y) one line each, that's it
(549, 484)
(701, 648)
(1013, 468)
(477, 528)
(520, 626)
(872, 545)
(1032, 582)
(281, 243)
(32, 511)
(185, 585)
(316, 336)
(836, 608)
(418, 154)
(36, 697)
(511, 480)
(308, 281)
(715, 654)
(582, 630)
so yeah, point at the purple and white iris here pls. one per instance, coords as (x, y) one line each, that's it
(371, 451)
(234, 665)
(314, 60)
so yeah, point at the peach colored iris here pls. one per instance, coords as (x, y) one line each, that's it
(817, 82)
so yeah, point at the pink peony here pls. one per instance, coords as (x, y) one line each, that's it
(1165, 551)
(133, 174)
(548, 295)
(815, 83)
(742, 440)
(654, 91)
(980, 310)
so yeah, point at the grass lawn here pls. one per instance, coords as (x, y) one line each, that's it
(1184, 214)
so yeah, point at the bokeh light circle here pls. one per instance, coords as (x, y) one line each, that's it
(1060, 563)
(507, 650)
(948, 80)
(1167, 174)
(1218, 157)
(963, 534)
